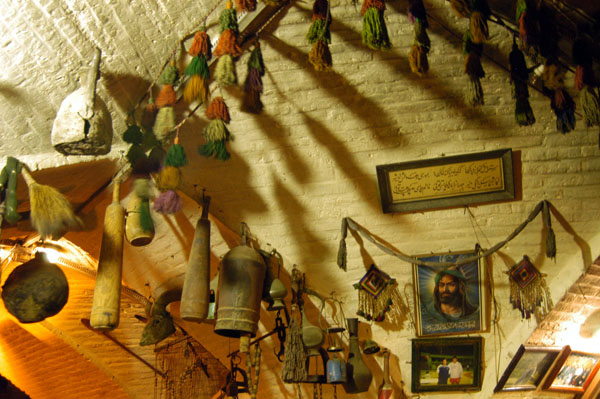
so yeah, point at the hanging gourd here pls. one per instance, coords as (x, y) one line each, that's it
(216, 133)
(253, 86)
(227, 47)
(166, 99)
(519, 75)
(473, 70)
(417, 56)
(319, 36)
(198, 72)
(374, 30)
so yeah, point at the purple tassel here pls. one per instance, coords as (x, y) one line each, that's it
(168, 202)
(253, 81)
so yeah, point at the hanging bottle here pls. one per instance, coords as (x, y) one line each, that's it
(358, 375)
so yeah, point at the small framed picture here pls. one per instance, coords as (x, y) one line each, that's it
(527, 368)
(446, 364)
(450, 299)
(575, 373)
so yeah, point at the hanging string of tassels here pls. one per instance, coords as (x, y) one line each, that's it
(198, 72)
(519, 76)
(253, 86)
(473, 69)
(585, 82)
(319, 36)
(166, 99)
(417, 56)
(169, 201)
(227, 48)
(374, 30)
(216, 133)
(550, 241)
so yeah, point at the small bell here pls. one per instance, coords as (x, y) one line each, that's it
(336, 370)
(277, 292)
(370, 347)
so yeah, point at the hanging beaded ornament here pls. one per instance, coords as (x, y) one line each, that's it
(374, 294)
(528, 290)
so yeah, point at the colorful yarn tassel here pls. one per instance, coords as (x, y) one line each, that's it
(227, 47)
(176, 155)
(245, 5)
(561, 101)
(168, 202)
(253, 86)
(480, 13)
(519, 76)
(417, 56)
(198, 71)
(527, 20)
(473, 69)
(319, 36)
(216, 133)
(165, 119)
(374, 30)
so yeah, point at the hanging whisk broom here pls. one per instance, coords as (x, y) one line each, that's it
(51, 213)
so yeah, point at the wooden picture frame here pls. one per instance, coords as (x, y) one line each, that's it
(527, 368)
(575, 373)
(447, 181)
(432, 316)
(434, 364)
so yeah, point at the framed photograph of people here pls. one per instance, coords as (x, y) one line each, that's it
(450, 295)
(527, 368)
(575, 373)
(446, 364)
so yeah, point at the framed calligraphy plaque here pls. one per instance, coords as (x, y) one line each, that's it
(447, 181)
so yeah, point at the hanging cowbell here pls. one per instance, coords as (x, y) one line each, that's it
(241, 279)
(35, 290)
(83, 125)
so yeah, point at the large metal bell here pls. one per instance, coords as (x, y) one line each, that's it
(35, 290)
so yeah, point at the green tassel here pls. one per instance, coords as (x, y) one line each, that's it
(215, 131)
(256, 60)
(216, 148)
(198, 66)
(374, 31)
(145, 218)
(168, 76)
(523, 112)
(176, 156)
(228, 20)
(133, 135)
(521, 8)
(588, 97)
(319, 29)
(225, 72)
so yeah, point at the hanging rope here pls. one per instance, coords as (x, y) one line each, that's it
(349, 223)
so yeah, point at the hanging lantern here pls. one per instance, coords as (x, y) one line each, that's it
(241, 278)
(35, 290)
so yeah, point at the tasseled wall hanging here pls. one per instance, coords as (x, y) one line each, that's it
(561, 101)
(319, 36)
(166, 99)
(473, 69)
(417, 56)
(198, 72)
(142, 142)
(216, 133)
(528, 290)
(527, 20)
(169, 201)
(374, 30)
(227, 48)
(519, 75)
(375, 291)
(585, 82)
(253, 86)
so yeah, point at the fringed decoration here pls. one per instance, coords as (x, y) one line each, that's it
(176, 155)
(198, 71)
(196, 89)
(164, 123)
(319, 36)
(294, 363)
(526, 19)
(473, 69)
(168, 202)
(168, 178)
(528, 290)
(462, 8)
(519, 76)
(589, 99)
(375, 291)
(417, 56)
(225, 72)
(141, 187)
(245, 5)
(201, 45)
(169, 76)
(228, 44)
(167, 96)
(217, 109)
(342, 252)
(253, 86)
(480, 13)
(374, 30)
(216, 134)
(550, 238)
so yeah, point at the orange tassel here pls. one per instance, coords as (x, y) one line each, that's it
(245, 5)
(378, 4)
(320, 56)
(166, 97)
(217, 109)
(200, 45)
(228, 44)
(417, 59)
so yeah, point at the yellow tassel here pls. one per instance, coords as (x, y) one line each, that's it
(320, 56)
(164, 123)
(417, 58)
(168, 178)
(195, 89)
(225, 72)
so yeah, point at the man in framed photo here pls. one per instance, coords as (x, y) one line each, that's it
(456, 371)
(449, 295)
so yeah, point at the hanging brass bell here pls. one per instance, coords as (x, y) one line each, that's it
(370, 347)
(35, 290)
